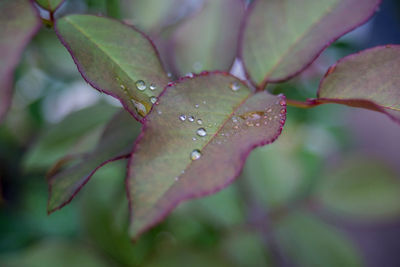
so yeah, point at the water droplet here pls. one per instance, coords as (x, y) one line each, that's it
(257, 124)
(189, 75)
(123, 87)
(283, 111)
(196, 154)
(159, 112)
(204, 102)
(235, 119)
(201, 132)
(282, 103)
(191, 118)
(141, 109)
(196, 106)
(182, 117)
(153, 87)
(194, 138)
(199, 122)
(235, 86)
(269, 110)
(141, 85)
(169, 74)
(153, 99)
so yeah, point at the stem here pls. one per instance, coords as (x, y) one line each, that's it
(309, 103)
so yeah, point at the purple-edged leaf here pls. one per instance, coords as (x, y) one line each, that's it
(208, 40)
(115, 59)
(369, 79)
(19, 22)
(282, 37)
(50, 5)
(195, 143)
(115, 143)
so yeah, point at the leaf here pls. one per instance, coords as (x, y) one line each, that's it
(50, 5)
(19, 23)
(208, 40)
(369, 79)
(114, 144)
(113, 58)
(361, 189)
(162, 173)
(72, 135)
(282, 38)
(308, 241)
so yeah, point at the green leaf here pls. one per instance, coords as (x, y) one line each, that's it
(19, 22)
(75, 134)
(309, 242)
(361, 189)
(115, 59)
(281, 38)
(115, 143)
(54, 253)
(50, 5)
(369, 79)
(178, 157)
(208, 40)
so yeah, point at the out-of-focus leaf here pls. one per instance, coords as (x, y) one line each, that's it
(76, 133)
(114, 144)
(369, 79)
(208, 40)
(245, 249)
(281, 38)
(309, 242)
(361, 189)
(54, 253)
(195, 142)
(115, 59)
(19, 22)
(50, 5)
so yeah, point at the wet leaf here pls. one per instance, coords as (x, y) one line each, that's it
(369, 79)
(361, 189)
(115, 143)
(195, 142)
(281, 38)
(19, 22)
(208, 39)
(115, 59)
(308, 241)
(50, 5)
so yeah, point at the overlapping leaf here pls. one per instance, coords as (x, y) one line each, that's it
(208, 40)
(114, 144)
(115, 59)
(281, 38)
(19, 22)
(195, 142)
(50, 5)
(369, 79)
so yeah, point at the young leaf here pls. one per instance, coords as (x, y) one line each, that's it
(362, 190)
(308, 241)
(281, 38)
(19, 22)
(369, 79)
(114, 144)
(208, 40)
(195, 142)
(50, 5)
(115, 59)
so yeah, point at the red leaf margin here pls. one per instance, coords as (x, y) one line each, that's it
(183, 198)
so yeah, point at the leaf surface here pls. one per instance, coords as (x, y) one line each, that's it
(280, 38)
(114, 58)
(115, 143)
(361, 189)
(50, 5)
(308, 241)
(369, 79)
(208, 39)
(19, 22)
(175, 160)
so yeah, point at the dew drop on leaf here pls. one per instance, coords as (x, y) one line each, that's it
(153, 87)
(199, 122)
(196, 106)
(196, 154)
(235, 86)
(201, 132)
(182, 117)
(140, 85)
(153, 99)
(191, 118)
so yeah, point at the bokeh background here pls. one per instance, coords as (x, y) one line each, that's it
(326, 193)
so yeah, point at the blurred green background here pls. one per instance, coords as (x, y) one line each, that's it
(327, 193)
